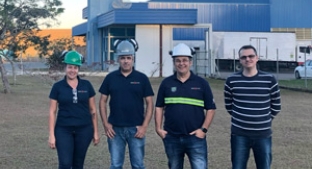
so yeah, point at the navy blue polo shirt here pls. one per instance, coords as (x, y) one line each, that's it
(69, 112)
(184, 103)
(126, 97)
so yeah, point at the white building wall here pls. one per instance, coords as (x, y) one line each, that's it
(147, 56)
(167, 46)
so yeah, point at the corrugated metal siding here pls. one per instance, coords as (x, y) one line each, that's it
(189, 33)
(227, 17)
(80, 29)
(216, 1)
(150, 16)
(106, 19)
(291, 14)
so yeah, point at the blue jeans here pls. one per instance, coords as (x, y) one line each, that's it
(72, 144)
(117, 146)
(261, 148)
(195, 148)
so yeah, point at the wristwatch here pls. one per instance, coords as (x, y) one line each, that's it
(204, 130)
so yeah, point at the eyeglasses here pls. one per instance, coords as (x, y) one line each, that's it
(245, 57)
(75, 97)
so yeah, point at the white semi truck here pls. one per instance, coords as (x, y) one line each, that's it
(274, 49)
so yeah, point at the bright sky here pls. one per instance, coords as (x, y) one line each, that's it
(72, 15)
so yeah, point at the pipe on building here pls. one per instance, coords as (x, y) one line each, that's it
(160, 51)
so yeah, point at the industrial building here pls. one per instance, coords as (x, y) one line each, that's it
(158, 25)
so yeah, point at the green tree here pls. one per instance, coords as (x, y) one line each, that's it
(55, 51)
(19, 22)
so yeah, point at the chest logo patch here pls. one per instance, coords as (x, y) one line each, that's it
(134, 82)
(173, 89)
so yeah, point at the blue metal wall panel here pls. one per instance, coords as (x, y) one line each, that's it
(106, 19)
(216, 1)
(189, 33)
(139, 6)
(85, 13)
(151, 16)
(227, 17)
(291, 14)
(80, 29)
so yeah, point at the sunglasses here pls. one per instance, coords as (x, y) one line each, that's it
(75, 97)
(248, 56)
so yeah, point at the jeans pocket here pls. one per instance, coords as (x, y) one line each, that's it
(132, 130)
(199, 137)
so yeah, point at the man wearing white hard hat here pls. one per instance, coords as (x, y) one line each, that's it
(186, 102)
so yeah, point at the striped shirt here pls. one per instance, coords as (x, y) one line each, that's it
(252, 102)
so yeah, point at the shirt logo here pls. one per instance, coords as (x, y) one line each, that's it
(173, 89)
(82, 91)
(195, 88)
(134, 82)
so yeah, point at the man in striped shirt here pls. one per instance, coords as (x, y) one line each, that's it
(186, 102)
(252, 98)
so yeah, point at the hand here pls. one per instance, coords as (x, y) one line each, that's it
(109, 131)
(198, 133)
(96, 139)
(162, 133)
(140, 132)
(52, 142)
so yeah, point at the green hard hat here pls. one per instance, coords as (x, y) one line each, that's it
(73, 58)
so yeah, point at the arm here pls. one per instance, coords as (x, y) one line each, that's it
(228, 97)
(275, 99)
(209, 106)
(52, 117)
(103, 113)
(208, 119)
(148, 115)
(158, 122)
(92, 106)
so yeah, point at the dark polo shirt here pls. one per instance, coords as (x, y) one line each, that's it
(184, 103)
(126, 97)
(69, 112)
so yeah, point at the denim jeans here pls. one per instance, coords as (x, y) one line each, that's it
(72, 144)
(195, 148)
(261, 148)
(117, 146)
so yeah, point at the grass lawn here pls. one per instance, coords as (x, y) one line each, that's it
(24, 131)
(298, 83)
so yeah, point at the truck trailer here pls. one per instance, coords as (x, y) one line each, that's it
(275, 50)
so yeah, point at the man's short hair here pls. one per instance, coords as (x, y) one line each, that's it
(245, 47)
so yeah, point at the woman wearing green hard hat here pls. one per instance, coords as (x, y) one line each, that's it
(76, 124)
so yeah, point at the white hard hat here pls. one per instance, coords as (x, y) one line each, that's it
(182, 49)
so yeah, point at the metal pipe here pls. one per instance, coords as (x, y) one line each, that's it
(160, 51)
